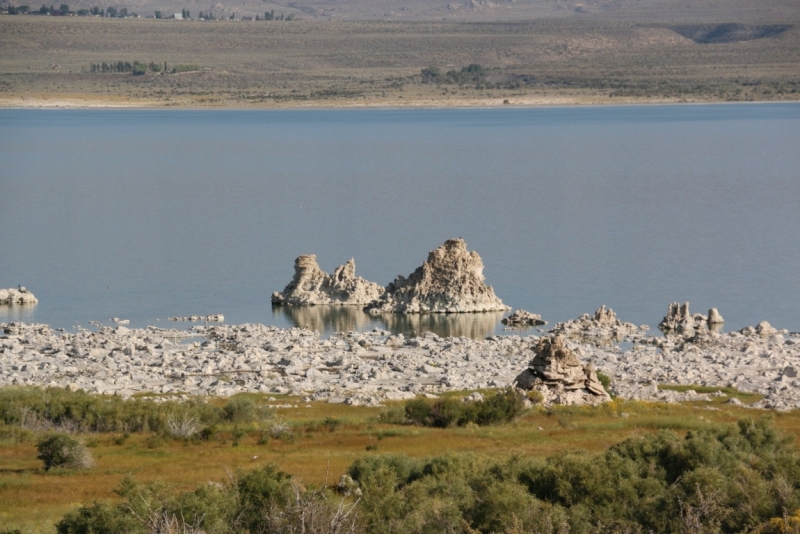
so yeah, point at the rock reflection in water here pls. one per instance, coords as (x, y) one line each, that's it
(474, 325)
(16, 312)
(717, 328)
(329, 319)
(324, 318)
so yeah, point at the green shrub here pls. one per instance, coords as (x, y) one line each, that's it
(724, 479)
(260, 490)
(48, 408)
(504, 406)
(393, 415)
(606, 381)
(332, 423)
(237, 434)
(120, 439)
(418, 411)
(61, 450)
(184, 68)
(242, 409)
(98, 518)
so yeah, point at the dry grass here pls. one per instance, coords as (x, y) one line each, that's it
(311, 63)
(33, 500)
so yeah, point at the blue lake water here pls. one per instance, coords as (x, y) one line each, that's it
(144, 215)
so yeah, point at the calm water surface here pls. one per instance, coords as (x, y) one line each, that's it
(144, 215)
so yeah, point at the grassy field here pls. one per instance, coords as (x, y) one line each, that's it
(47, 61)
(318, 451)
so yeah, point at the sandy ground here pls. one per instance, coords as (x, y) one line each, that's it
(89, 102)
(43, 102)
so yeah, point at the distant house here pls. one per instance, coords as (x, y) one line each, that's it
(177, 16)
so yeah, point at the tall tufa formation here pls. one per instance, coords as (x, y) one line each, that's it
(311, 285)
(680, 319)
(450, 281)
(559, 376)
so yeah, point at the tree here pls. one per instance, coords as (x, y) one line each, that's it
(64, 9)
(138, 68)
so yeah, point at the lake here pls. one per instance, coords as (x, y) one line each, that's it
(143, 214)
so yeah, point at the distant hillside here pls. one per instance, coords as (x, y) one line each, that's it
(696, 11)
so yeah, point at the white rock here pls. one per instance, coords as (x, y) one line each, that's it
(311, 285)
(450, 281)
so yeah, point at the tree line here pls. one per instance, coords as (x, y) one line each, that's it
(138, 68)
(64, 10)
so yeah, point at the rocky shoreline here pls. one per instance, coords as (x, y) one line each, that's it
(367, 368)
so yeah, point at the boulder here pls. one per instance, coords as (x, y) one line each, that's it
(17, 296)
(714, 317)
(765, 329)
(449, 281)
(523, 318)
(311, 285)
(559, 376)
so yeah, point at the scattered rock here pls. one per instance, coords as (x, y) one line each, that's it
(523, 318)
(603, 324)
(213, 318)
(17, 296)
(560, 377)
(311, 285)
(764, 329)
(450, 281)
(369, 367)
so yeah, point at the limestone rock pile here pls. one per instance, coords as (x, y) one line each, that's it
(560, 377)
(355, 368)
(603, 324)
(764, 365)
(17, 296)
(523, 318)
(369, 367)
(311, 285)
(450, 281)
